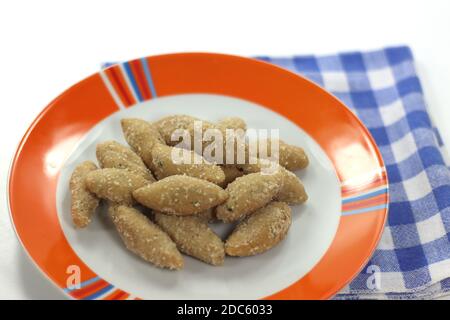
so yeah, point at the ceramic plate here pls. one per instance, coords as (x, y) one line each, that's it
(332, 235)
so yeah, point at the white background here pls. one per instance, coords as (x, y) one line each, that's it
(46, 46)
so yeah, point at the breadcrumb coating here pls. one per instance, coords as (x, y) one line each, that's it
(180, 195)
(193, 237)
(232, 123)
(189, 193)
(111, 154)
(142, 137)
(291, 157)
(209, 216)
(167, 126)
(114, 146)
(115, 185)
(84, 202)
(163, 165)
(261, 231)
(145, 239)
(231, 172)
(247, 194)
(237, 143)
(292, 190)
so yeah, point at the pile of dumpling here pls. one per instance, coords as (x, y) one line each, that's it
(185, 198)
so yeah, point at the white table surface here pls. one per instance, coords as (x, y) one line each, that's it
(46, 46)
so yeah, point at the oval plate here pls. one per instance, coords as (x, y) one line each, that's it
(259, 92)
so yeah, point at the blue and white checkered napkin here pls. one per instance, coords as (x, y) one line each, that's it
(383, 89)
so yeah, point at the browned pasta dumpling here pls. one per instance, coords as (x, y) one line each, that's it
(144, 238)
(193, 237)
(163, 165)
(84, 202)
(261, 231)
(180, 195)
(115, 185)
(247, 194)
(111, 154)
(142, 137)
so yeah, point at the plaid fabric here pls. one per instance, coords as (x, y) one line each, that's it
(382, 88)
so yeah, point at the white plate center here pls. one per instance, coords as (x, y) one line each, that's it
(314, 223)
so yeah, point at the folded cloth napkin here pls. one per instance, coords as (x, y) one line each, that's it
(382, 88)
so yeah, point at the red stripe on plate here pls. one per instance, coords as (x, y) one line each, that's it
(142, 84)
(120, 86)
(117, 295)
(90, 289)
(380, 199)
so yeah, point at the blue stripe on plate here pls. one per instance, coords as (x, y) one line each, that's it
(83, 284)
(148, 76)
(365, 196)
(99, 293)
(363, 210)
(132, 80)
